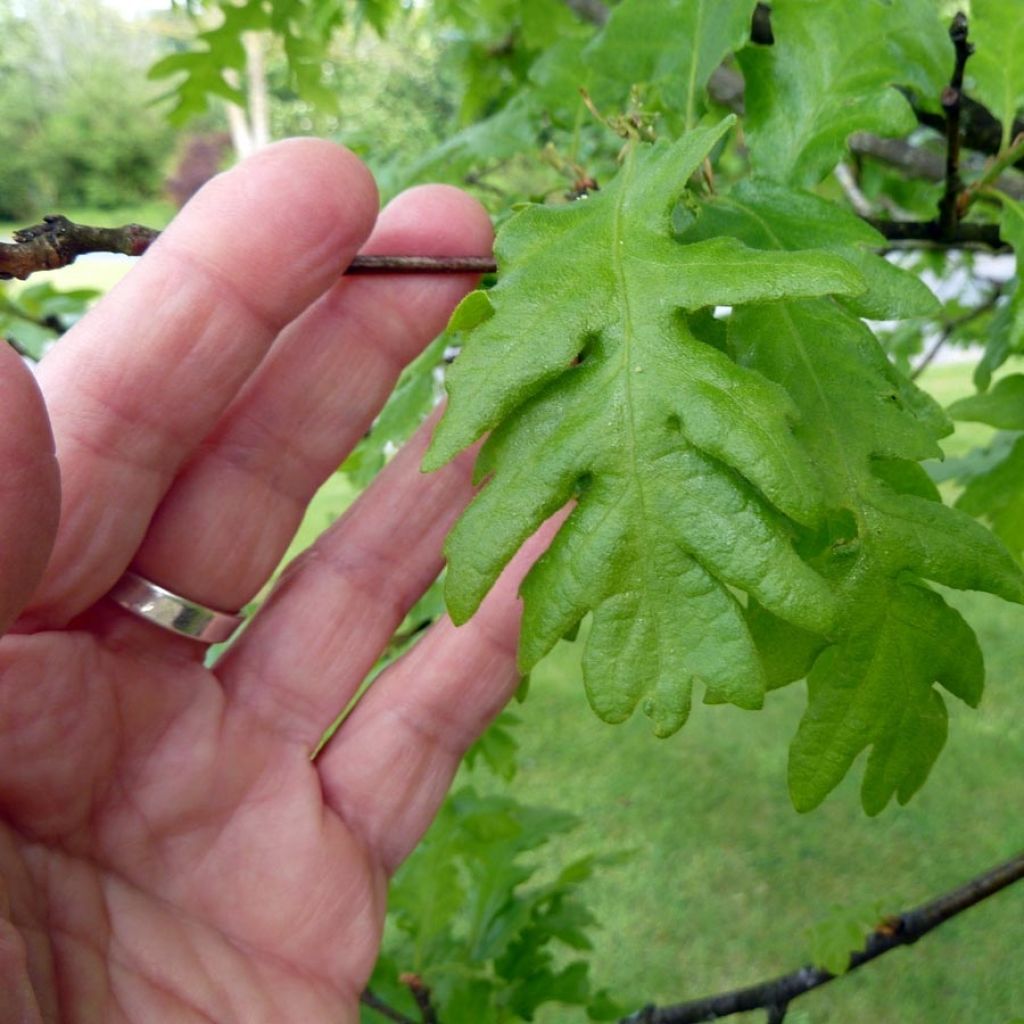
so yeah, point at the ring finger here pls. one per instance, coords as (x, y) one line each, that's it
(227, 520)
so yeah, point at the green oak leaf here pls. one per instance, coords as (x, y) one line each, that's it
(1006, 332)
(830, 73)
(866, 428)
(996, 491)
(1002, 407)
(766, 215)
(997, 66)
(875, 688)
(686, 475)
(997, 495)
(669, 46)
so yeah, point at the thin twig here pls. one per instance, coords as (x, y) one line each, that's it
(374, 1002)
(58, 242)
(851, 189)
(952, 325)
(949, 211)
(902, 930)
(421, 993)
(993, 175)
(928, 233)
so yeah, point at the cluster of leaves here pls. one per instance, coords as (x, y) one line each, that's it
(774, 454)
(305, 27)
(751, 506)
(475, 924)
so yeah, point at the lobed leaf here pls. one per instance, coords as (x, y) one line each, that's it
(865, 429)
(830, 73)
(687, 478)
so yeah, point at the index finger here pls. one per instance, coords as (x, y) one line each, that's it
(137, 385)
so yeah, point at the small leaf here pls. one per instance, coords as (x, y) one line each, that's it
(1002, 407)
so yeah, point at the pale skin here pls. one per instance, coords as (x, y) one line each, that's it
(168, 851)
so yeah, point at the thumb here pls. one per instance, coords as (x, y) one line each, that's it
(29, 486)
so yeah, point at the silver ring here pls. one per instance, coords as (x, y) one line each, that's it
(173, 612)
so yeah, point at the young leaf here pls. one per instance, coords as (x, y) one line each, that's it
(1006, 332)
(830, 73)
(997, 495)
(1001, 407)
(997, 67)
(683, 464)
(670, 46)
(996, 491)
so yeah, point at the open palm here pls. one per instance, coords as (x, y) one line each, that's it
(168, 850)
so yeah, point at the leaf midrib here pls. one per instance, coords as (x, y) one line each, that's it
(618, 246)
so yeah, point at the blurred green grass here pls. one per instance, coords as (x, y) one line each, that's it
(726, 877)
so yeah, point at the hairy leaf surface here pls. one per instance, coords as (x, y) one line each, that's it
(687, 477)
(830, 73)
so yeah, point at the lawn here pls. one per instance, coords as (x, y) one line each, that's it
(726, 877)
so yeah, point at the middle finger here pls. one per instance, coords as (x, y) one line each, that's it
(225, 524)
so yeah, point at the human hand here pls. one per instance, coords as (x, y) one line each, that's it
(168, 851)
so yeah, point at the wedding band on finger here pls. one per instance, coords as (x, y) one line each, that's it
(173, 612)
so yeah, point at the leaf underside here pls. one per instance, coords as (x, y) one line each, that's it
(723, 480)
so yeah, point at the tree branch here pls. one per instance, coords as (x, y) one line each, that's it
(421, 993)
(374, 1002)
(952, 325)
(928, 233)
(58, 242)
(919, 162)
(593, 11)
(949, 211)
(902, 930)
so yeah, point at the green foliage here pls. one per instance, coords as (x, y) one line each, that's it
(997, 67)
(304, 27)
(669, 48)
(995, 481)
(76, 123)
(684, 439)
(416, 393)
(830, 73)
(475, 919)
(768, 464)
(1006, 333)
(38, 314)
